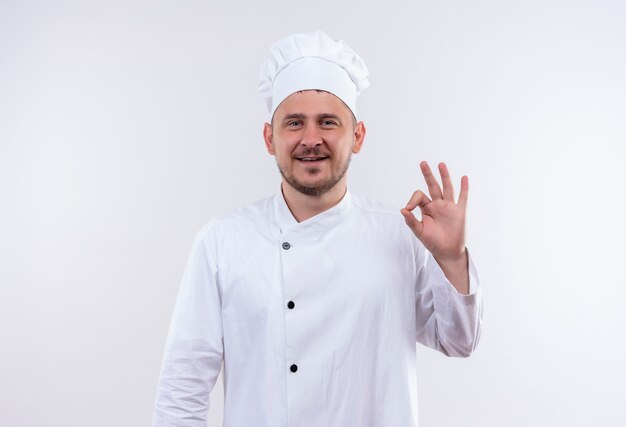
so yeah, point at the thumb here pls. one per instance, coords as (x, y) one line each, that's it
(414, 224)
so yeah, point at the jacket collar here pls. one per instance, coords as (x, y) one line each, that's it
(286, 222)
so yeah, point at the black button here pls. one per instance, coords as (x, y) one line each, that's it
(286, 245)
(290, 304)
(294, 368)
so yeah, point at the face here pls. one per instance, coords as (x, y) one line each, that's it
(313, 136)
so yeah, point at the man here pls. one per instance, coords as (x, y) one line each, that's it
(314, 298)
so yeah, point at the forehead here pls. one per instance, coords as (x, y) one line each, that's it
(312, 102)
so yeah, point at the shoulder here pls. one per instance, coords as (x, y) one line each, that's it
(250, 215)
(384, 220)
(365, 206)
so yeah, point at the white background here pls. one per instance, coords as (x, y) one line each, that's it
(126, 125)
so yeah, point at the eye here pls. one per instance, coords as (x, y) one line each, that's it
(294, 123)
(328, 123)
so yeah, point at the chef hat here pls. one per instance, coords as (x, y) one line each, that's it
(312, 61)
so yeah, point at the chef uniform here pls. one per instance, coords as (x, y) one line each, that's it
(317, 321)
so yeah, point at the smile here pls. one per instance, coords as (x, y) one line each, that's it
(311, 159)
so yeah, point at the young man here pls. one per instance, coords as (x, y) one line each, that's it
(314, 298)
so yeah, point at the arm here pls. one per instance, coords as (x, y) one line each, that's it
(446, 320)
(194, 349)
(448, 303)
(456, 271)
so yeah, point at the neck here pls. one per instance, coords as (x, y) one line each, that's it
(303, 206)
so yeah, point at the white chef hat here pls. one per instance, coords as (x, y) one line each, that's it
(312, 61)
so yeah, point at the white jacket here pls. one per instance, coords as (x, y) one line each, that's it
(316, 322)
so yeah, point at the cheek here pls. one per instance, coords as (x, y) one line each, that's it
(284, 147)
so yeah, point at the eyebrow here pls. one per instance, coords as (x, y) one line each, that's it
(302, 116)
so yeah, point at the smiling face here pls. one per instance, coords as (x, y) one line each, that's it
(313, 136)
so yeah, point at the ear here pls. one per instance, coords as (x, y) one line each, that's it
(268, 138)
(359, 136)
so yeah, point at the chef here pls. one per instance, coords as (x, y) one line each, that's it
(315, 298)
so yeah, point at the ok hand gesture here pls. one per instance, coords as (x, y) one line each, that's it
(442, 228)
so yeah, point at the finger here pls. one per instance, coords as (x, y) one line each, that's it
(464, 191)
(414, 224)
(431, 181)
(448, 189)
(417, 199)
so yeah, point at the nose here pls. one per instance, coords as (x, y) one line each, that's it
(311, 136)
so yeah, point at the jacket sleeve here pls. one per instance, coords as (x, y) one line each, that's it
(194, 349)
(446, 320)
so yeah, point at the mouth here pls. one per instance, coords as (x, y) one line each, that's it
(311, 159)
